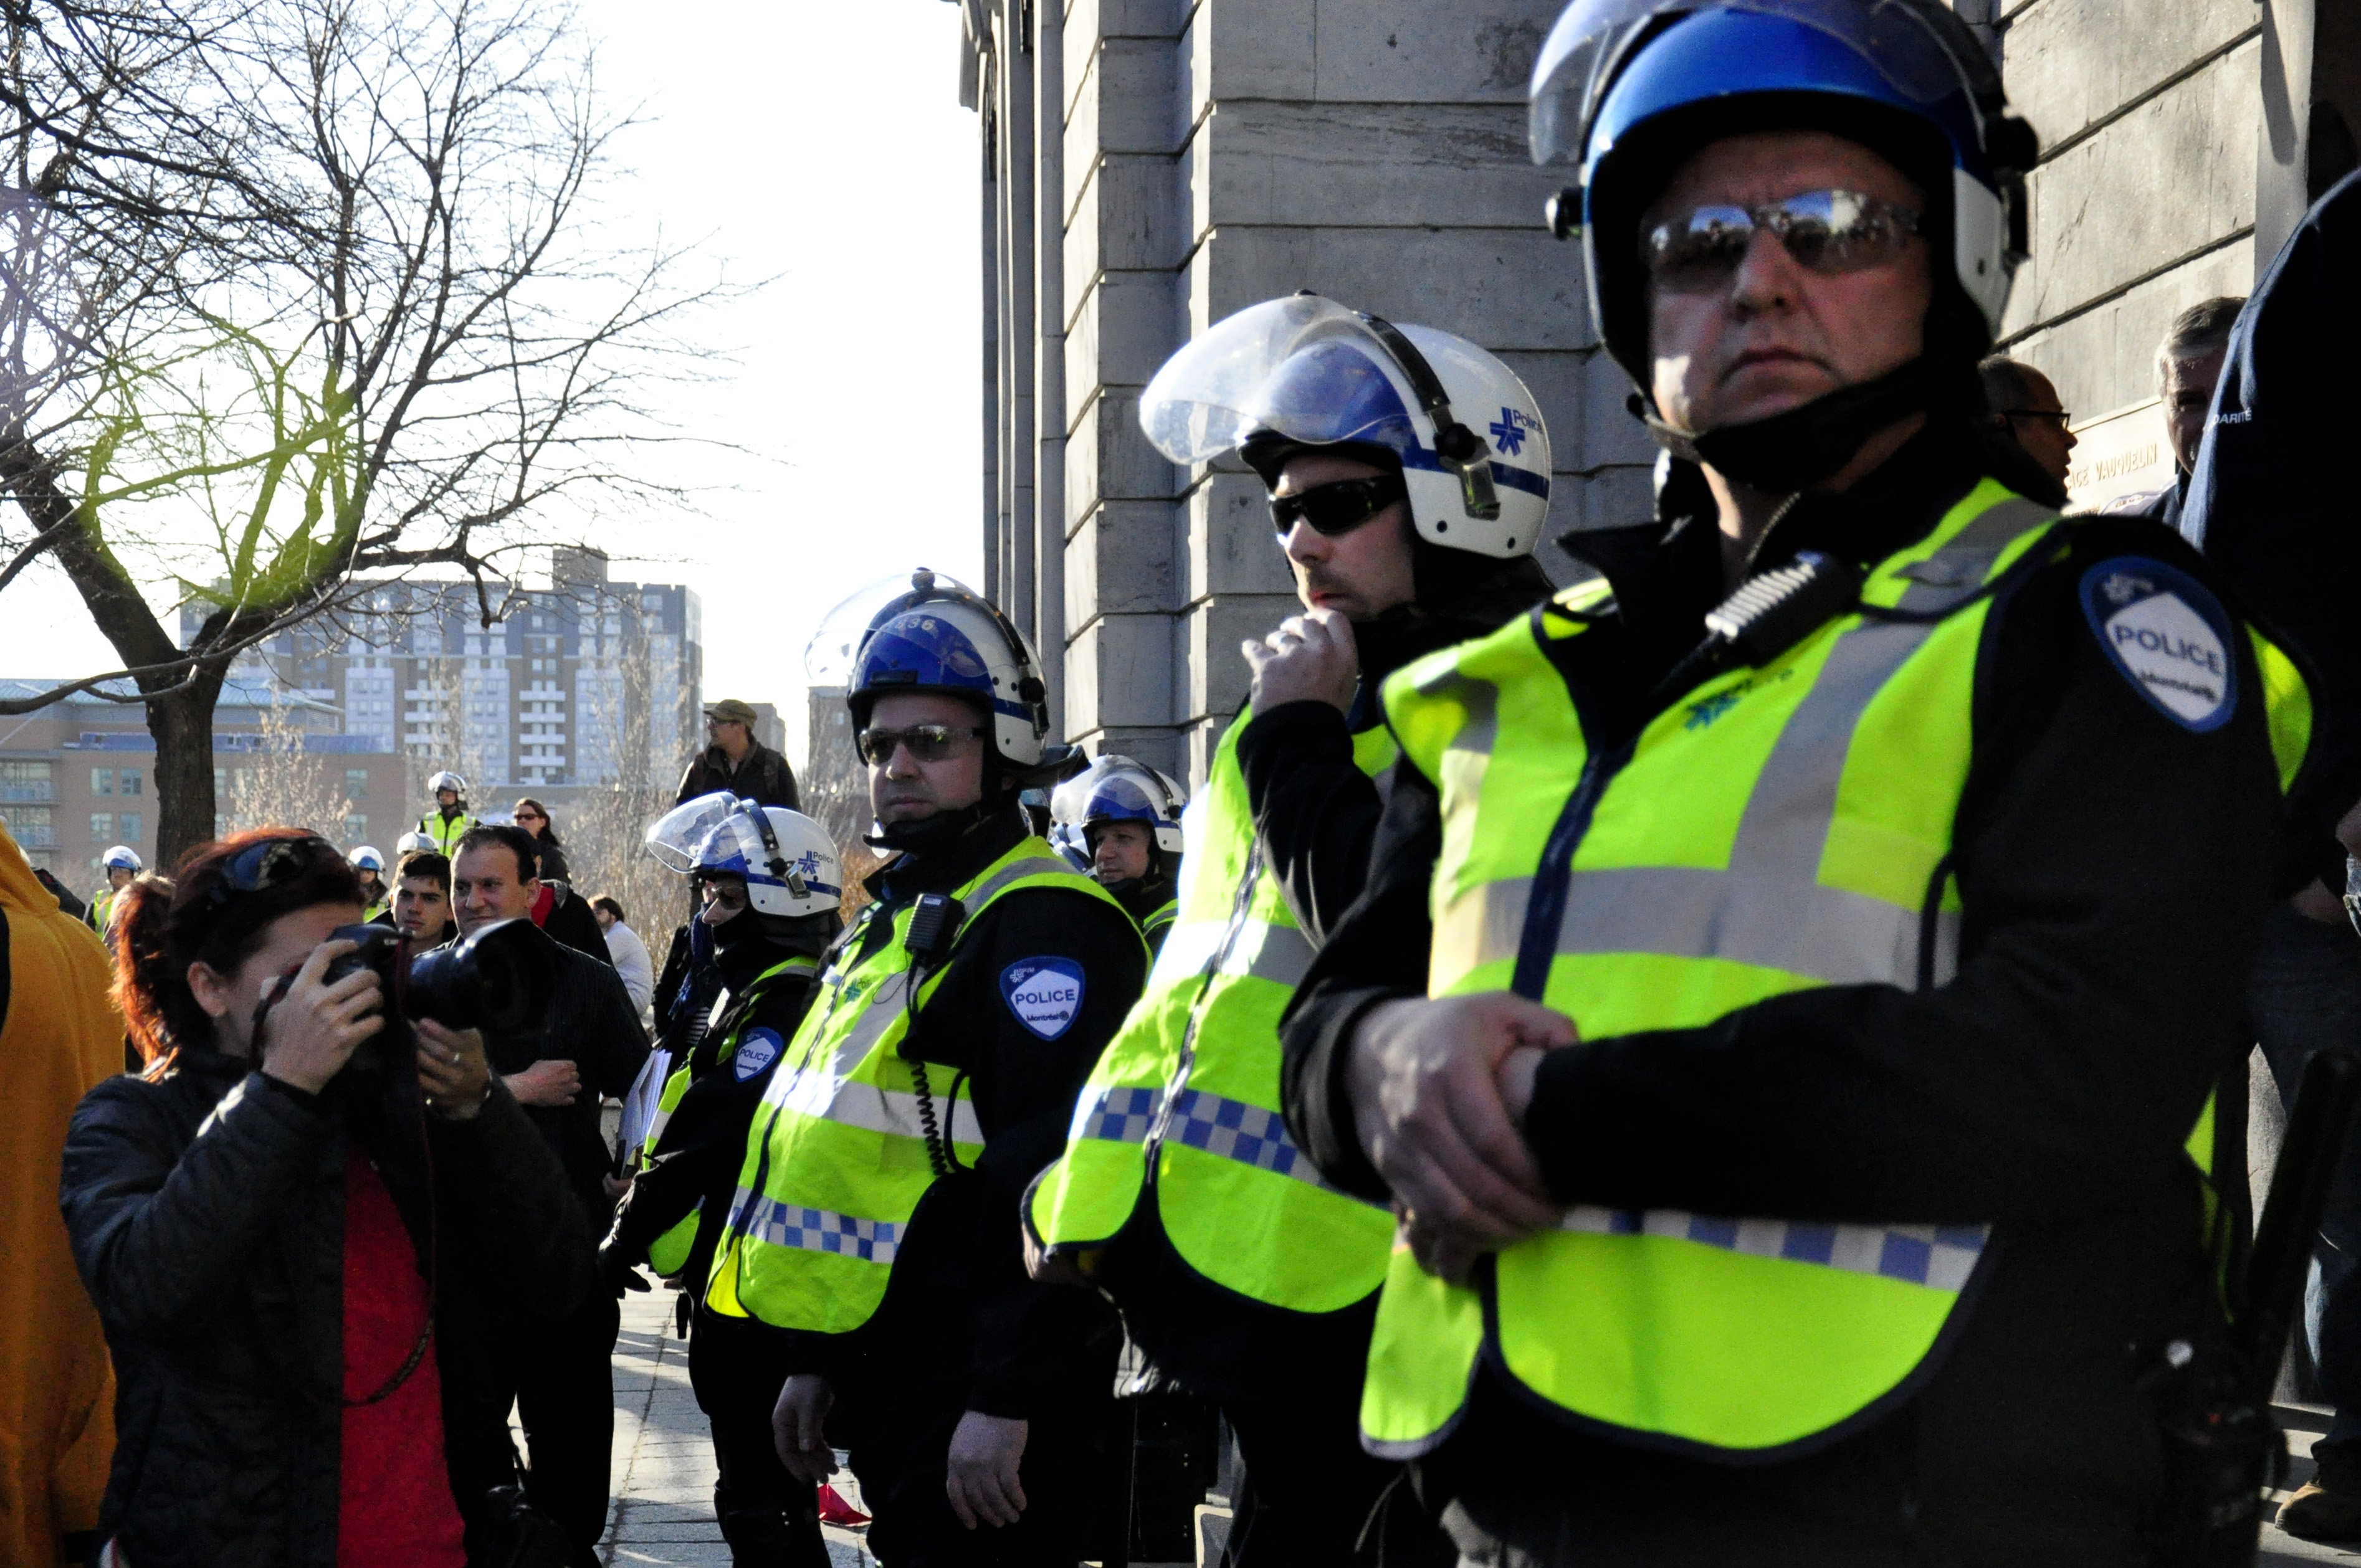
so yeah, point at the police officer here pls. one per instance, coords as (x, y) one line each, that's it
(1243, 1279)
(450, 819)
(1839, 911)
(876, 1209)
(122, 863)
(377, 897)
(1122, 819)
(770, 886)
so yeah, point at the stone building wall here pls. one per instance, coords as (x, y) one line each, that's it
(1151, 166)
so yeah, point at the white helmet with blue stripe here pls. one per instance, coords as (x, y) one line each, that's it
(1305, 371)
(787, 860)
(121, 857)
(368, 859)
(938, 635)
(1116, 789)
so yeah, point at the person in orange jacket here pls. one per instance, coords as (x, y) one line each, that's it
(59, 1035)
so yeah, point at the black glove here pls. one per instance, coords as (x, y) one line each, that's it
(618, 1270)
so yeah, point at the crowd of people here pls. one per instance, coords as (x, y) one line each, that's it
(1742, 1059)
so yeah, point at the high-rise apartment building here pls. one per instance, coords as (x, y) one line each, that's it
(587, 681)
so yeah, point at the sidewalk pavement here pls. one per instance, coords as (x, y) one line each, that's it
(663, 1513)
(2303, 1423)
(662, 1516)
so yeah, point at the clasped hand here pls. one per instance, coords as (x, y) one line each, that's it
(1439, 1092)
(1310, 657)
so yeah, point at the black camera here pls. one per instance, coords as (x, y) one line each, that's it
(499, 980)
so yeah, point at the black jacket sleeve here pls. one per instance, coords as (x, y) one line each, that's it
(159, 1236)
(2112, 867)
(527, 1240)
(1024, 1085)
(1315, 811)
(609, 1045)
(704, 1142)
(572, 923)
(1376, 952)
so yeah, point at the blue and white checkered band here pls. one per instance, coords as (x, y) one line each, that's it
(817, 1230)
(1119, 1115)
(1226, 1129)
(1940, 1256)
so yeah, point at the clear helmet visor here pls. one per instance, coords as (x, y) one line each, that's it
(1585, 50)
(1083, 801)
(1303, 367)
(834, 650)
(679, 836)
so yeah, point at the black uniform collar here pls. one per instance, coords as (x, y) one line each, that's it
(907, 875)
(1667, 574)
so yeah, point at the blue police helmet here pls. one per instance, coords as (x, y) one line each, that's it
(1628, 88)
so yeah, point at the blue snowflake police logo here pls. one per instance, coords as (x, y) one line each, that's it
(1046, 994)
(1509, 431)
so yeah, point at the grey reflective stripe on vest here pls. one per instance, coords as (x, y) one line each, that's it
(1226, 1128)
(1835, 935)
(1768, 908)
(819, 1230)
(851, 1103)
(1262, 948)
(1940, 1256)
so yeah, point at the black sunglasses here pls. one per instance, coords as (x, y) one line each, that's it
(1338, 507)
(267, 864)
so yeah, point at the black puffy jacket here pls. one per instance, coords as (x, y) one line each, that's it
(206, 1209)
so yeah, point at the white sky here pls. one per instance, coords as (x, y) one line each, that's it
(820, 144)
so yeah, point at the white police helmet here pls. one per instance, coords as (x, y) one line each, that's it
(414, 839)
(367, 859)
(451, 781)
(122, 857)
(1117, 789)
(1305, 371)
(788, 861)
(931, 633)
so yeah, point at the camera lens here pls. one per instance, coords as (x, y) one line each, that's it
(500, 980)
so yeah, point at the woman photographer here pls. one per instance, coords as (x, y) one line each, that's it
(295, 1225)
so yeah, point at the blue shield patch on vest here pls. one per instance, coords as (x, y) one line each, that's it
(757, 1050)
(2168, 635)
(1045, 994)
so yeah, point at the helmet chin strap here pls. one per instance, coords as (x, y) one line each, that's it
(1797, 449)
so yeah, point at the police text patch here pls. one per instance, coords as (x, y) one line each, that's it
(757, 1050)
(2169, 636)
(1044, 993)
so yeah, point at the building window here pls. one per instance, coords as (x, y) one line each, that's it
(221, 786)
(102, 828)
(356, 827)
(132, 826)
(102, 781)
(22, 780)
(30, 826)
(128, 780)
(356, 783)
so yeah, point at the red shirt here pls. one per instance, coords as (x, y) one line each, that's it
(394, 1507)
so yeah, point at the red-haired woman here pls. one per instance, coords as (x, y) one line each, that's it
(293, 1244)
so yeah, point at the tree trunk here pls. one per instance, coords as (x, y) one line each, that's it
(183, 724)
(181, 720)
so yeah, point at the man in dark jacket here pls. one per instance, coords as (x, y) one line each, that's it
(1240, 1286)
(591, 1047)
(733, 759)
(2270, 503)
(1789, 985)
(768, 954)
(879, 1218)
